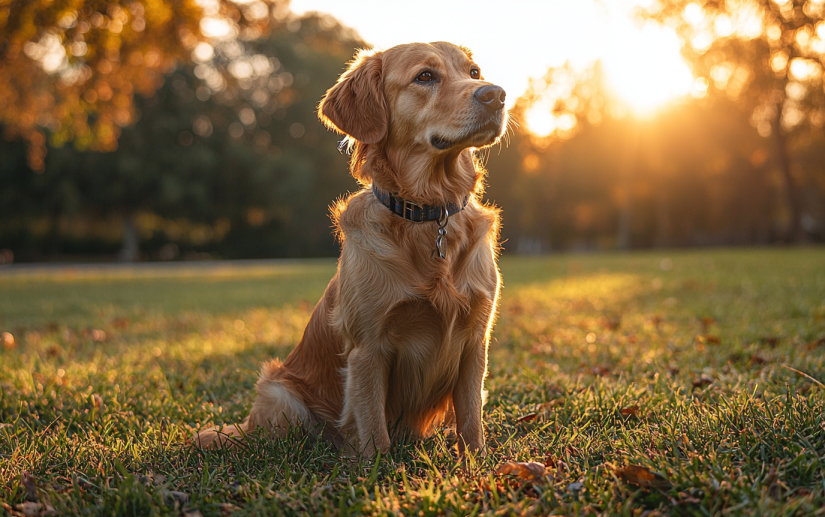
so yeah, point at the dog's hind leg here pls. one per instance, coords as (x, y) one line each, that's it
(277, 408)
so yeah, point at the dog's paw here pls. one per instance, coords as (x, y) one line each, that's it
(218, 437)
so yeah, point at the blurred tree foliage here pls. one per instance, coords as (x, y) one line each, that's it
(767, 57)
(72, 67)
(224, 154)
(584, 174)
(239, 167)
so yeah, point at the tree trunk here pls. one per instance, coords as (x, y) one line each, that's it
(130, 251)
(795, 232)
(625, 217)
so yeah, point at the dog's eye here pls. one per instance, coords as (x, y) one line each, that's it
(475, 73)
(425, 77)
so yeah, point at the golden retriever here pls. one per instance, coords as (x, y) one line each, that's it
(398, 343)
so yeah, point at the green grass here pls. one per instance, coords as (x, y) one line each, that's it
(703, 343)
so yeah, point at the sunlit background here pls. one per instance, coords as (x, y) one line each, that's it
(522, 39)
(166, 130)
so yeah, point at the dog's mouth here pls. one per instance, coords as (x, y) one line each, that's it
(476, 135)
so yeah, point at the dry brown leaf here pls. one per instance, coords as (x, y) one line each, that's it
(527, 417)
(642, 476)
(770, 340)
(28, 482)
(531, 471)
(547, 406)
(707, 322)
(704, 380)
(29, 508)
(630, 410)
(175, 497)
(756, 359)
(229, 509)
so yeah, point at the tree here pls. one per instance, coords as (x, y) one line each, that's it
(583, 173)
(72, 67)
(767, 56)
(240, 168)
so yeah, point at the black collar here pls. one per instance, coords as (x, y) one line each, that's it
(415, 212)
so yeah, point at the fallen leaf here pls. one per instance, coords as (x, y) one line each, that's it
(527, 417)
(8, 341)
(642, 476)
(756, 359)
(173, 496)
(547, 406)
(29, 508)
(228, 508)
(531, 471)
(630, 411)
(600, 370)
(575, 487)
(28, 482)
(704, 380)
(714, 340)
(770, 340)
(651, 513)
(707, 322)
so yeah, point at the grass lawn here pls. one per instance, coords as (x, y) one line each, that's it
(703, 369)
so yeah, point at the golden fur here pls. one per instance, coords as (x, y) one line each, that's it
(399, 339)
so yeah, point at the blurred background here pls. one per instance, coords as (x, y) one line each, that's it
(160, 130)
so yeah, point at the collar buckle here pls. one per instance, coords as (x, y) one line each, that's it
(408, 208)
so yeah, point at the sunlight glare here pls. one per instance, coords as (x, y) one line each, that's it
(643, 64)
(540, 120)
(645, 68)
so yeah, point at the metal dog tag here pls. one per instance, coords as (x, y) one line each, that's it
(441, 240)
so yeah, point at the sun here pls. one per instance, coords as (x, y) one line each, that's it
(644, 68)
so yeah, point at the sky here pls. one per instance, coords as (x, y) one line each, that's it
(513, 40)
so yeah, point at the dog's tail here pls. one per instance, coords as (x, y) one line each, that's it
(277, 408)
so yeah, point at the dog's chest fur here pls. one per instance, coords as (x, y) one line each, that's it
(412, 307)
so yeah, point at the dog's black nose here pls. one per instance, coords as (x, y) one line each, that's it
(491, 97)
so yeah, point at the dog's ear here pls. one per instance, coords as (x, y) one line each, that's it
(355, 106)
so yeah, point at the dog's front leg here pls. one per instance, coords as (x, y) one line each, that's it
(468, 397)
(366, 397)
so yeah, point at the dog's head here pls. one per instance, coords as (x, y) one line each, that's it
(422, 98)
